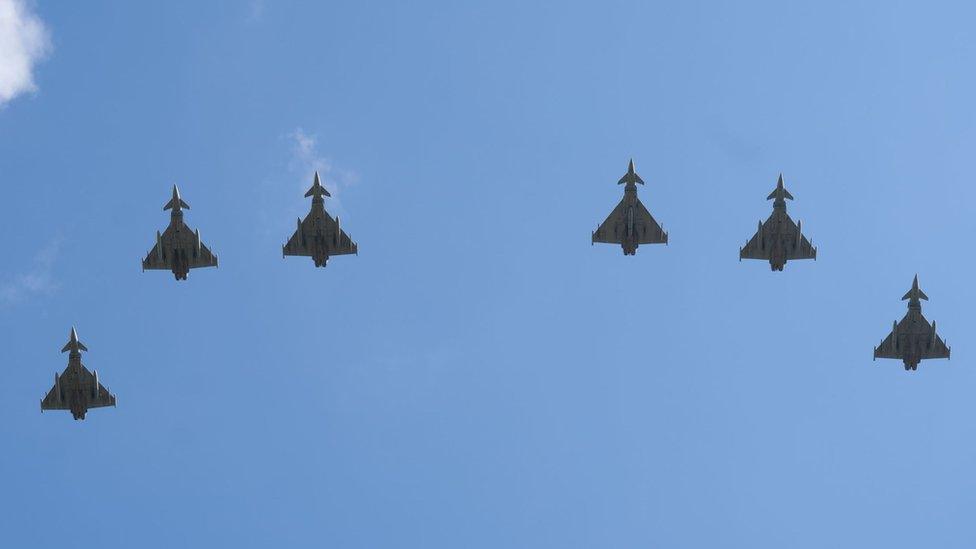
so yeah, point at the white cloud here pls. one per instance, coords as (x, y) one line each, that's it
(23, 42)
(39, 280)
(306, 160)
(305, 156)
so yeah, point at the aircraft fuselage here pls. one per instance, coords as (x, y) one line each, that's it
(629, 242)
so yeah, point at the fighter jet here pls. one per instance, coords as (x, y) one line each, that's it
(778, 239)
(178, 249)
(913, 339)
(630, 224)
(319, 236)
(76, 389)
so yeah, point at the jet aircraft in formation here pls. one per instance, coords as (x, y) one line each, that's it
(76, 389)
(318, 235)
(913, 339)
(178, 249)
(630, 224)
(778, 239)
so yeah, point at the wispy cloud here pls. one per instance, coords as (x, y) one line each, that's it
(24, 41)
(281, 193)
(39, 280)
(255, 11)
(306, 160)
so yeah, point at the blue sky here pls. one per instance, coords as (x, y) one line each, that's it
(480, 376)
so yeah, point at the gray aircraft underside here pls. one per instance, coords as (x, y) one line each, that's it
(76, 389)
(318, 235)
(178, 249)
(779, 239)
(630, 223)
(913, 339)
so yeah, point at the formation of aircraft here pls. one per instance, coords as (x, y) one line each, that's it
(777, 240)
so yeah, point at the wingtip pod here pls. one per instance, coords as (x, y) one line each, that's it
(317, 189)
(176, 202)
